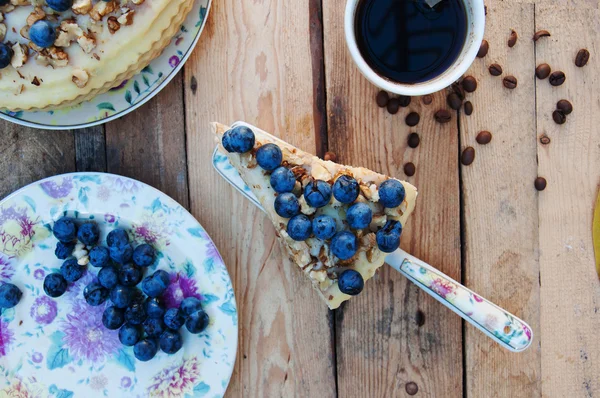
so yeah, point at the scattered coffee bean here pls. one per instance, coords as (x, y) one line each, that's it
(453, 101)
(442, 116)
(484, 137)
(582, 57)
(512, 39)
(469, 83)
(544, 139)
(557, 78)
(393, 105)
(495, 70)
(510, 82)
(540, 183)
(411, 388)
(468, 156)
(412, 119)
(564, 106)
(330, 156)
(468, 108)
(427, 99)
(483, 49)
(459, 90)
(559, 117)
(539, 34)
(542, 71)
(413, 140)
(404, 101)
(382, 99)
(409, 169)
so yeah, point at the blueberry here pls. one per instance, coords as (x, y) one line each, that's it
(137, 296)
(10, 295)
(129, 334)
(6, 54)
(346, 189)
(388, 237)
(269, 157)
(108, 277)
(174, 318)
(64, 250)
(170, 341)
(344, 245)
(154, 285)
(121, 253)
(197, 322)
(113, 318)
(144, 255)
(299, 227)
(130, 275)
(190, 305)
(71, 271)
(117, 237)
(88, 233)
(65, 230)
(42, 34)
(60, 5)
(239, 139)
(317, 193)
(99, 256)
(282, 180)
(323, 226)
(4, 2)
(351, 282)
(121, 296)
(154, 327)
(287, 205)
(145, 350)
(95, 294)
(163, 276)
(391, 193)
(154, 308)
(55, 285)
(135, 314)
(359, 215)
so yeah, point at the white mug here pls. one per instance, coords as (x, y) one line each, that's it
(475, 27)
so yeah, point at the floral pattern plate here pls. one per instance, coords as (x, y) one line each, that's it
(59, 347)
(131, 94)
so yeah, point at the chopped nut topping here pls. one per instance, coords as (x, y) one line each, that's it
(80, 77)
(87, 43)
(7, 8)
(137, 2)
(319, 276)
(20, 89)
(82, 7)
(36, 81)
(113, 24)
(101, 9)
(20, 55)
(2, 31)
(1, 17)
(127, 17)
(20, 2)
(37, 15)
(69, 31)
(25, 31)
(54, 57)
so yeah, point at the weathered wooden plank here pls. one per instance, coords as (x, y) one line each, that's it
(90, 149)
(394, 335)
(570, 292)
(254, 64)
(500, 204)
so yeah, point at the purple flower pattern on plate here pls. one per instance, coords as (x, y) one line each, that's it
(175, 381)
(181, 287)
(43, 311)
(6, 269)
(58, 190)
(6, 338)
(39, 274)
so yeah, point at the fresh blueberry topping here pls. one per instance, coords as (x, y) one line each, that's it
(6, 52)
(113, 318)
(190, 305)
(71, 271)
(170, 341)
(117, 237)
(359, 215)
(55, 285)
(197, 322)
(135, 314)
(239, 139)
(95, 294)
(121, 296)
(154, 308)
(174, 319)
(42, 34)
(317, 193)
(108, 277)
(269, 157)
(391, 193)
(145, 350)
(323, 226)
(299, 227)
(88, 233)
(154, 327)
(153, 285)
(163, 276)
(130, 275)
(143, 255)
(121, 253)
(130, 334)
(282, 180)
(388, 237)
(64, 250)
(60, 5)
(287, 205)
(65, 230)
(351, 282)
(344, 245)
(99, 256)
(4, 2)
(346, 189)
(10, 295)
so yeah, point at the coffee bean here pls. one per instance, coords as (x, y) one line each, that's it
(557, 78)
(544, 139)
(539, 34)
(330, 156)
(453, 101)
(512, 39)
(411, 388)
(442, 116)
(469, 83)
(382, 99)
(393, 105)
(409, 169)
(468, 108)
(427, 99)
(484, 137)
(404, 101)
(582, 57)
(564, 106)
(413, 140)
(483, 49)
(459, 90)
(495, 70)
(510, 82)
(412, 119)
(468, 156)
(559, 117)
(542, 71)
(540, 183)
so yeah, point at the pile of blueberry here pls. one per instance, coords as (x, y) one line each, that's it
(318, 193)
(140, 316)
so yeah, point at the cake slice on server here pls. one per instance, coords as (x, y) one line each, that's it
(336, 222)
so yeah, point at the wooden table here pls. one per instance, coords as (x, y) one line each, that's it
(283, 65)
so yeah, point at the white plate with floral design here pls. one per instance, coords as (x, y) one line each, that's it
(59, 347)
(131, 94)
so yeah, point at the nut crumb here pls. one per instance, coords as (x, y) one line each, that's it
(36, 81)
(127, 17)
(82, 7)
(113, 24)
(87, 43)
(101, 9)
(2, 31)
(80, 77)
(37, 15)
(20, 55)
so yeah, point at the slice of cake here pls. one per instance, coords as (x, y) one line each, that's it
(336, 222)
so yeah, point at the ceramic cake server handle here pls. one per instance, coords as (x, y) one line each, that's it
(506, 329)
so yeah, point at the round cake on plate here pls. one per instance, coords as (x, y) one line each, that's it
(55, 53)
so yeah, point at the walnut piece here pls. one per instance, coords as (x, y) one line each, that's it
(2, 31)
(113, 25)
(7, 8)
(1, 17)
(80, 77)
(137, 2)
(54, 57)
(101, 9)
(25, 31)
(69, 31)
(82, 7)
(87, 43)
(20, 55)
(20, 2)
(37, 15)
(126, 18)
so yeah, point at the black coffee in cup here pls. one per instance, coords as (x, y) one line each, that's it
(410, 41)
